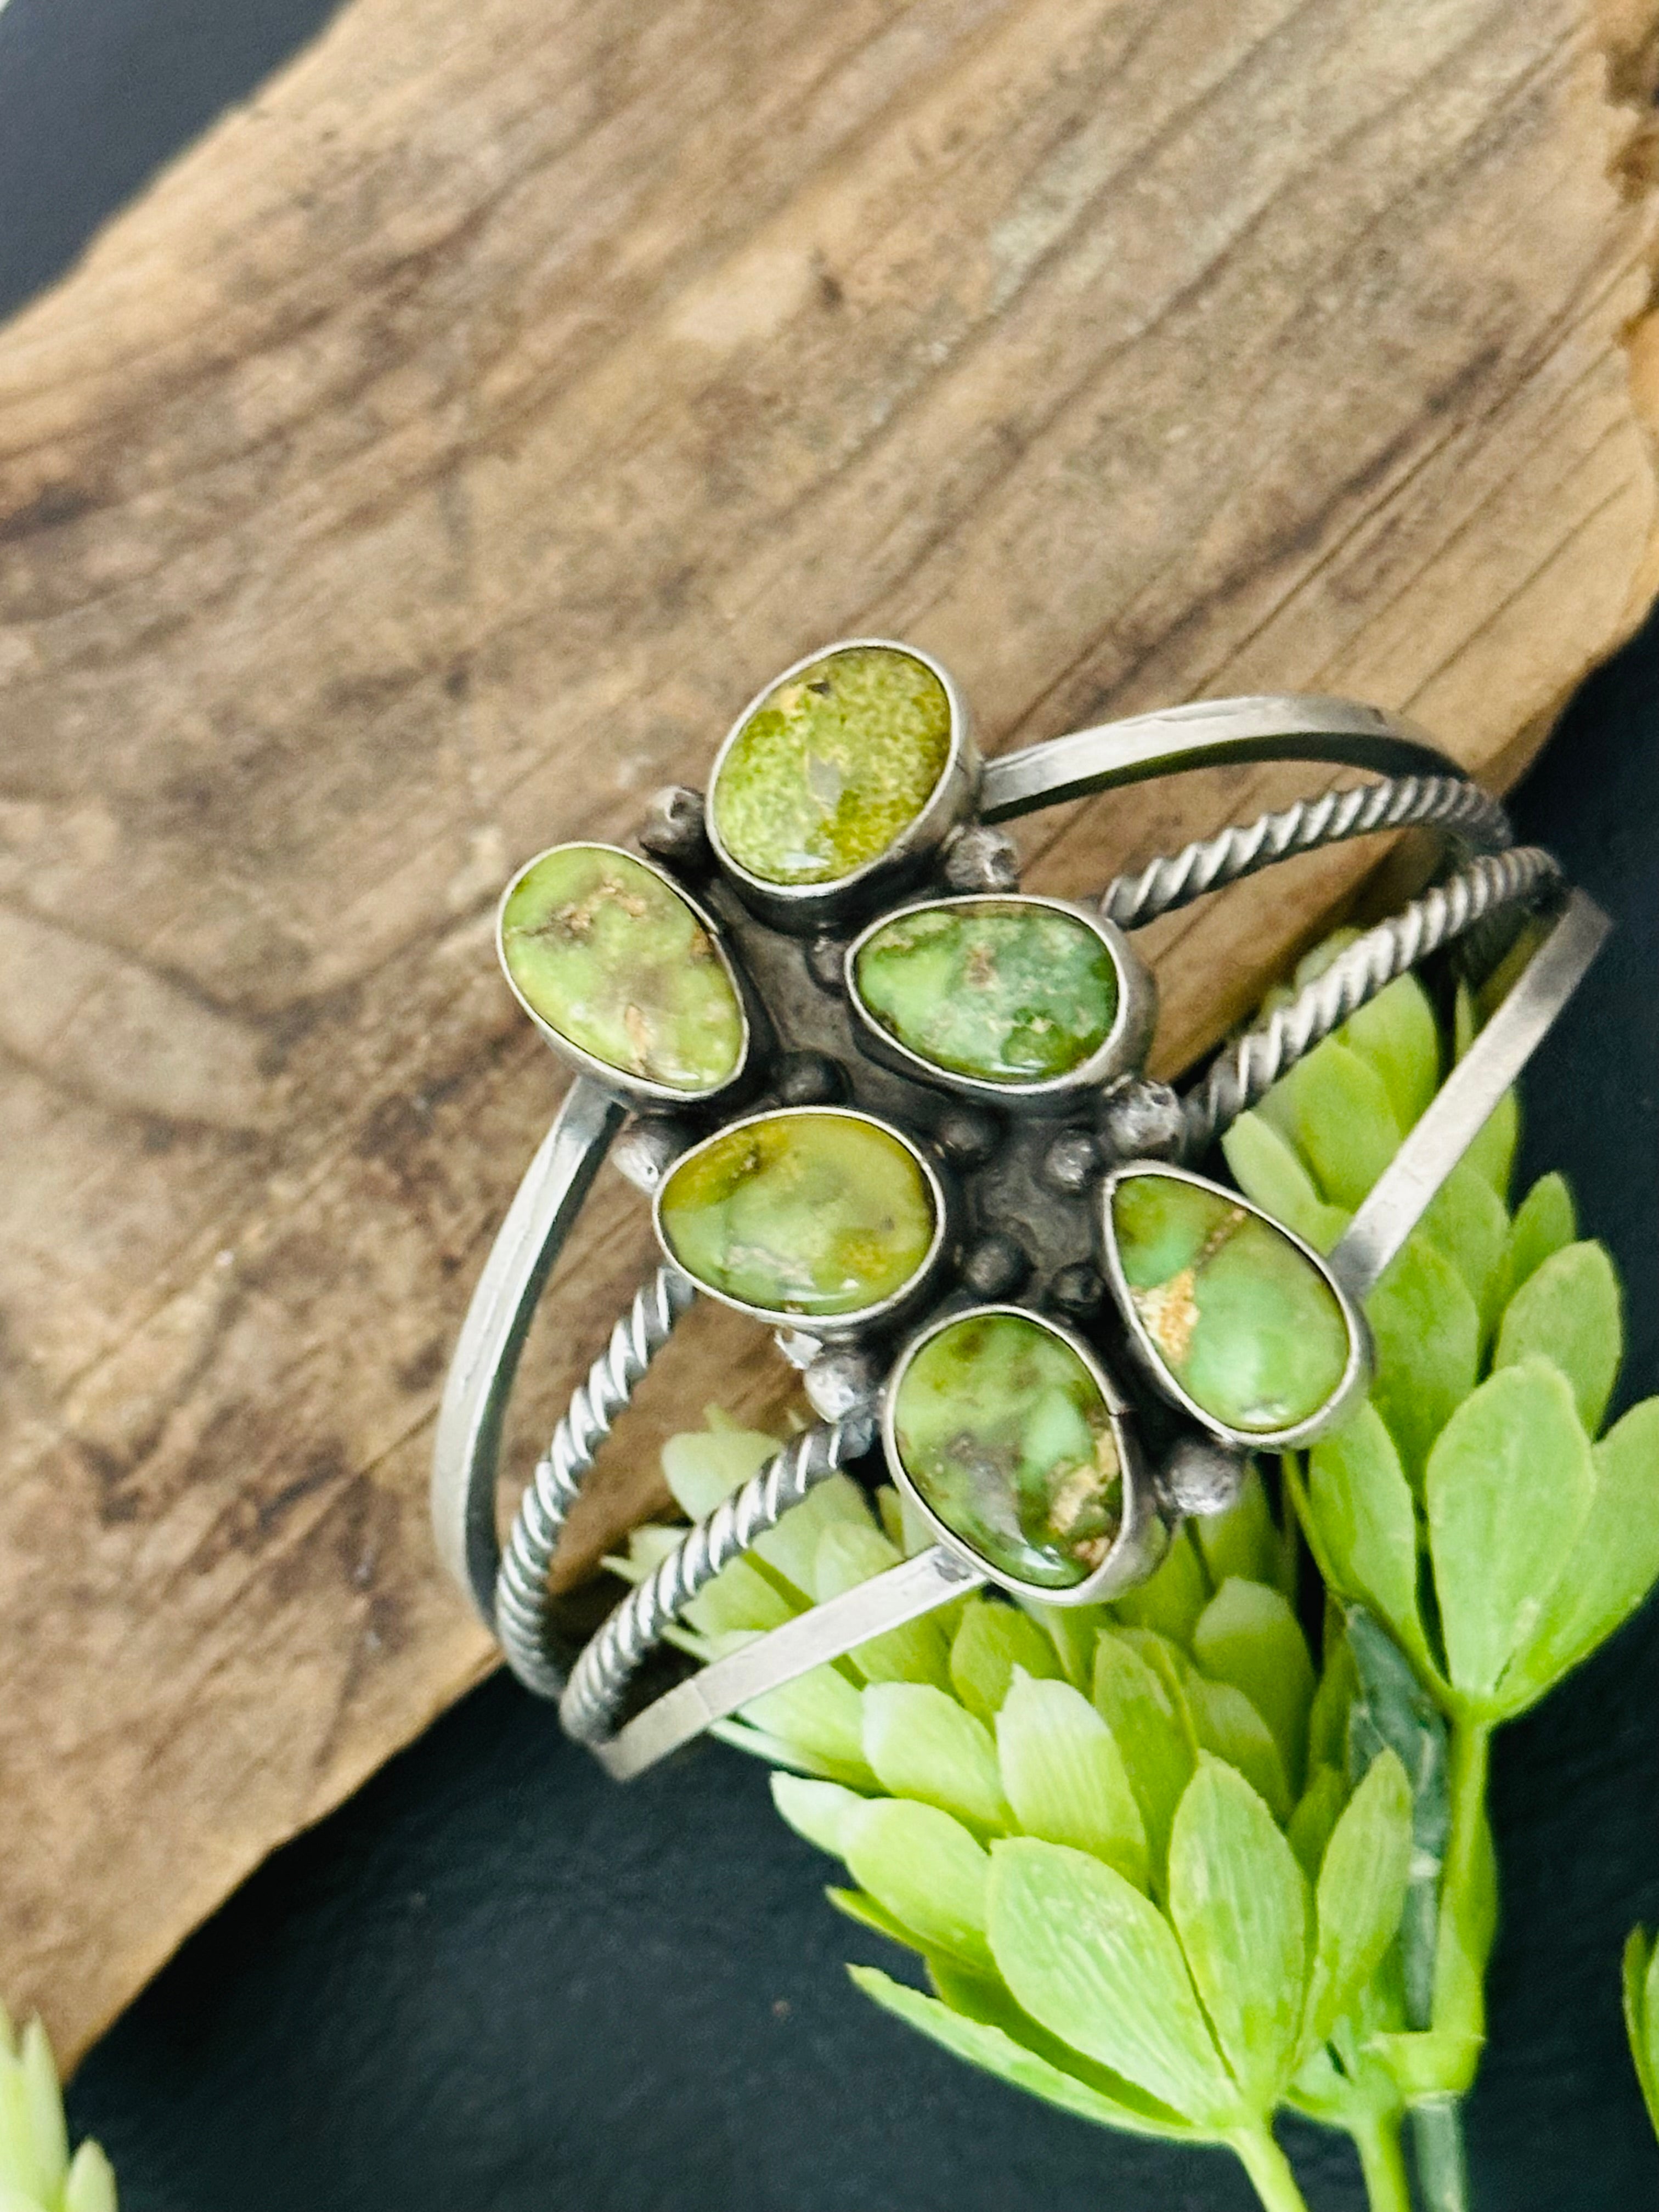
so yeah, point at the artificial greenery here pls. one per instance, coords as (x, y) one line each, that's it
(1167, 1866)
(37, 2174)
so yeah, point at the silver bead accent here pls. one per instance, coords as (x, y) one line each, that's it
(981, 859)
(824, 959)
(966, 1137)
(1072, 1161)
(1141, 1120)
(674, 829)
(646, 1149)
(1202, 1477)
(1078, 1290)
(810, 1078)
(841, 1380)
(994, 1266)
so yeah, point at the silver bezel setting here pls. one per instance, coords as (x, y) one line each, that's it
(636, 1088)
(826, 1328)
(1142, 1537)
(1121, 1052)
(1356, 1374)
(808, 907)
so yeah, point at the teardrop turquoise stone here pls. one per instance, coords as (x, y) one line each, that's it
(1006, 990)
(609, 954)
(1242, 1319)
(833, 765)
(804, 1211)
(1008, 1438)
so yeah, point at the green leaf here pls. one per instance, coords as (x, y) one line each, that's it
(1508, 1489)
(704, 1466)
(986, 1998)
(1360, 1892)
(864, 1913)
(745, 1594)
(994, 2051)
(819, 1811)
(1072, 1631)
(91, 2183)
(1228, 1724)
(1316, 1816)
(1392, 1711)
(1172, 1600)
(1146, 1715)
(1239, 1903)
(1267, 1167)
(1366, 1524)
(823, 1714)
(993, 1639)
(1468, 1224)
(1611, 1568)
(1328, 1718)
(927, 1870)
(1427, 1333)
(1245, 1540)
(1247, 1636)
(1545, 1221)
(1569, 1311)
(1344, 1123)
(921, 1743)
(1492, 1153)
(1065, 1777)
(1095, 1963)
(1399, 1037)
(1642, 2016)
(791, 1549)
(917, 1652)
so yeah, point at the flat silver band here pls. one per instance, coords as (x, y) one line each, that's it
(1210, 732)
(1397, 1201)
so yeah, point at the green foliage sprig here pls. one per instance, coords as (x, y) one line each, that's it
(1166, 1867)
(37, 2174)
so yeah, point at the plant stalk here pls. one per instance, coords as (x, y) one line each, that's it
(1381, 2161)
(1440, 2155)
(1269, 2169)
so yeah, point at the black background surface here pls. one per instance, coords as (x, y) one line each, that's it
(495, 1982)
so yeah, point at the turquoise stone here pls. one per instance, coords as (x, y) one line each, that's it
(1006, 990)
(611, 956)
(1007, 1437)
(834, 764)
(1243, 1319)
(806, 1211)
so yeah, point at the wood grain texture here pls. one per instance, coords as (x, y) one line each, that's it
(429, 466)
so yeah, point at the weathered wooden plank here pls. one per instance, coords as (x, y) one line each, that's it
(428, 467)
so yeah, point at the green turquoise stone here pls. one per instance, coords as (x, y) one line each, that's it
(610, 956)
(832, 766)
(805, 1211)
(1006, 990)
(1245, 1322)
(1007, 1438)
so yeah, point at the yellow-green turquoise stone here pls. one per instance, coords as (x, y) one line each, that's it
(832, 765)
(610, 956)
(1005, 990)
(1006, 1436)
(1245, 1323)
(801, 1212)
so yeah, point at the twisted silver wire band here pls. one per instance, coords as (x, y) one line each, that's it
(593, 1700)
(521, 1594)
(1476, 820)
(600, 1677)
(1248, 1070)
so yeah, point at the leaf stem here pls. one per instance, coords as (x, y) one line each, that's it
(1443, 2169)
(1269, 2169)
(1381, 2160)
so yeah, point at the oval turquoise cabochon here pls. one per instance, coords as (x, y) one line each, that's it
(1006, 990)
(807, 1210)
(1001, 1427)
(1243, 1319)
(607, 952)
(834, 764)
